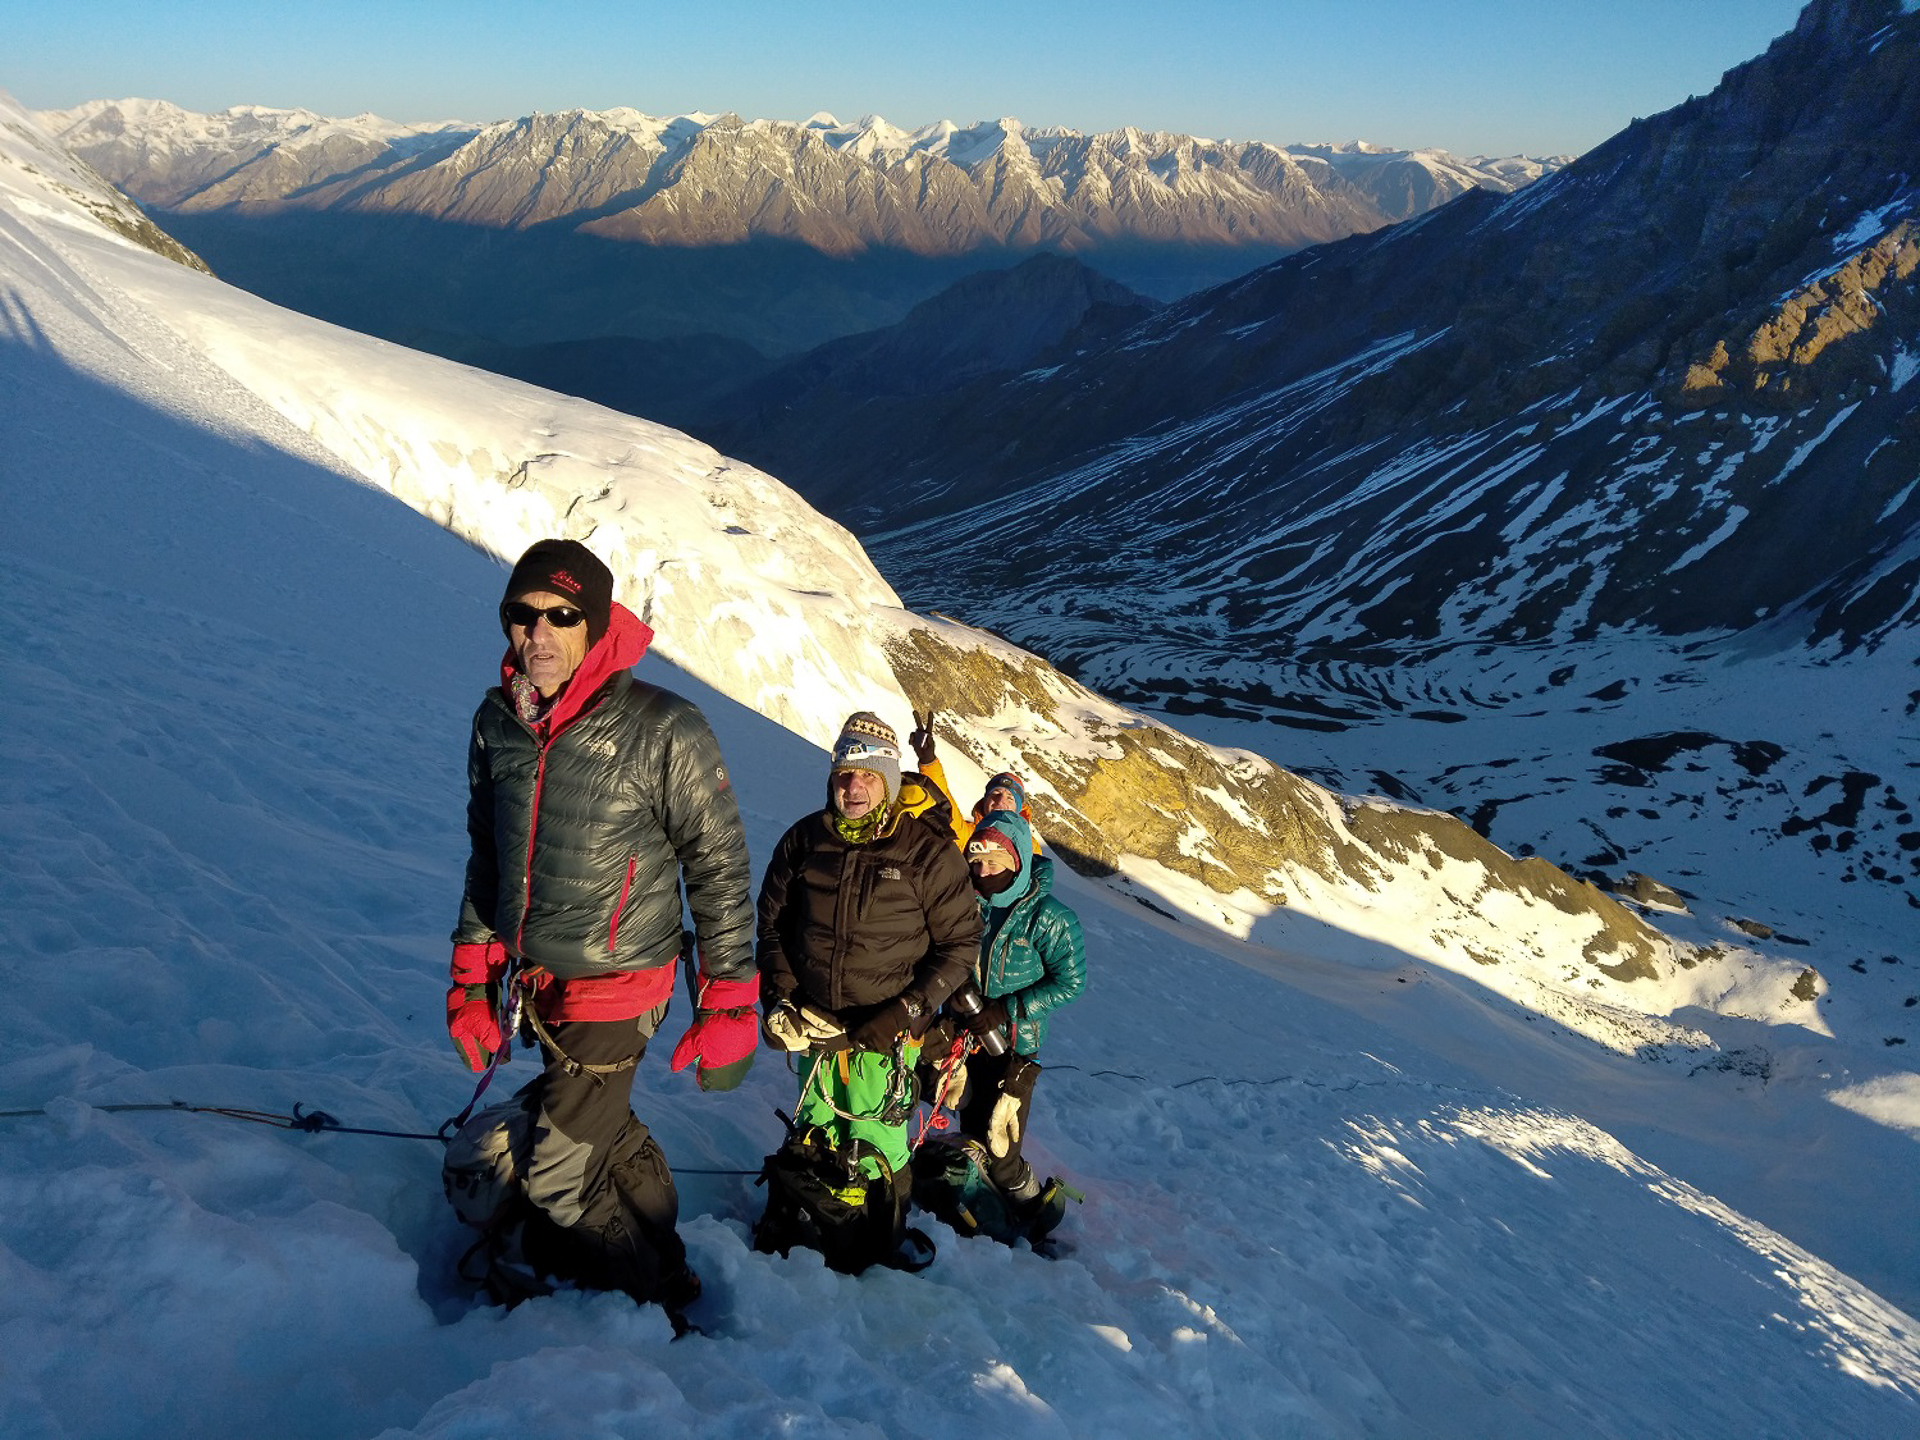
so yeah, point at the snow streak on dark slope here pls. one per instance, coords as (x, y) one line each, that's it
(1669, 387)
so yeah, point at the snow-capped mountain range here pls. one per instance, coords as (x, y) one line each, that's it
(702, 180)
(621, 236)
(1383, 1132)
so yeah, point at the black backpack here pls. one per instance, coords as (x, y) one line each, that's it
(820, 1197)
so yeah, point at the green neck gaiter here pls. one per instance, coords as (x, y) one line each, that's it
(859, 832)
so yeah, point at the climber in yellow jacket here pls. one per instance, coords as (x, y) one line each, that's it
(1005, 791)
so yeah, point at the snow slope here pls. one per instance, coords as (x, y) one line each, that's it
(1332, 1191)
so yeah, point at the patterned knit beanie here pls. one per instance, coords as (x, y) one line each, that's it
(868, 743)
(565, 567)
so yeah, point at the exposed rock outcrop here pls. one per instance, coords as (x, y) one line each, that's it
(1108, 785)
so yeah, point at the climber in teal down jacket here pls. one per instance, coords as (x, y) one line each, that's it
(1032, 961)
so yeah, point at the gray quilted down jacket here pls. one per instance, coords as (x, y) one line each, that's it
(581, 838)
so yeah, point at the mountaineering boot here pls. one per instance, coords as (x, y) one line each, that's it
(1042, 1214)
(1024, 1191)
(1036, 1209)
(679, 1291)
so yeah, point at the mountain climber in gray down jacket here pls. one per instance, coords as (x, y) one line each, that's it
(594, 798)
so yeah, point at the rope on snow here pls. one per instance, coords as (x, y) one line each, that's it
(310, 1122)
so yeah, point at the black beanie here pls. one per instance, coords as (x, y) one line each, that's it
(565, 567)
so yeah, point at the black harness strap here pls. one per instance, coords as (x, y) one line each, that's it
(566, 1062)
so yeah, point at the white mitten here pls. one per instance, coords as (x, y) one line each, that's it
(950, 1087)
(1003, 1130)
(799, 1028)
(819, 1026)
(782, 1027)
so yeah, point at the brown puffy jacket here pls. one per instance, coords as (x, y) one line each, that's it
(848, 927)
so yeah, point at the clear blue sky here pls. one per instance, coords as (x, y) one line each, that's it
(1472, 76)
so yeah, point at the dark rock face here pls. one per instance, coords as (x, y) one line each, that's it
(871, 394)
(1652, 893)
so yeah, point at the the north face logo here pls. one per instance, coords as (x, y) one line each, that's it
(889, 872)
(563, 579)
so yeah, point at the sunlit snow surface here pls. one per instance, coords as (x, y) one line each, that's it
(1331, 1190)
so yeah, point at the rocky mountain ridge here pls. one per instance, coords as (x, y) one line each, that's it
(653, 263)
(1037, 313)
(1642, 476)
(1670, 386)
(701, 180)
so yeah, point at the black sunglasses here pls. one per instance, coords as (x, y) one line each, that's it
(561, 617)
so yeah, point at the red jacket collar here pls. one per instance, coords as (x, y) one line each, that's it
(619, 649)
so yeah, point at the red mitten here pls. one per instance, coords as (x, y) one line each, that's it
(477, 964)
(724, 1034)
(473, 1025)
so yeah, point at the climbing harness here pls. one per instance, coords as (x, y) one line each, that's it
(896, 1103)
(936, 1118)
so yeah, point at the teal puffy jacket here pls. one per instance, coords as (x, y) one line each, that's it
(1034, 958)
